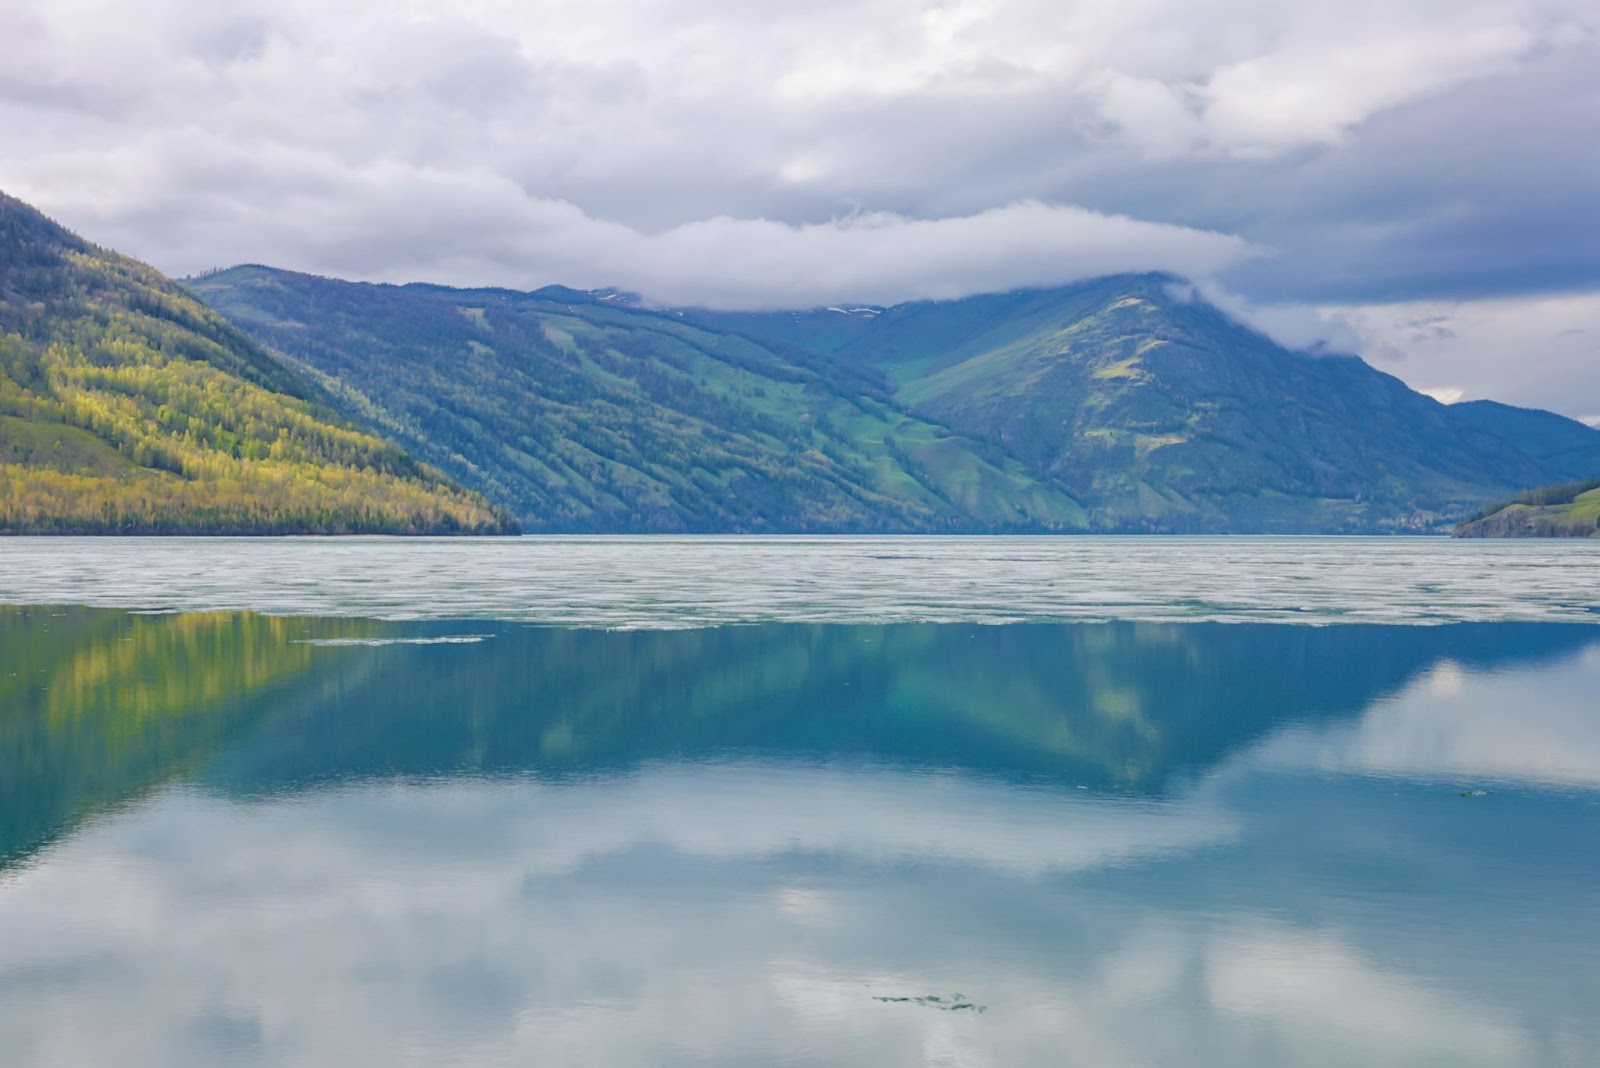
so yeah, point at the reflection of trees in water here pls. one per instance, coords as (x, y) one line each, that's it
(97, 705)
(103, 704)
(1117, 706)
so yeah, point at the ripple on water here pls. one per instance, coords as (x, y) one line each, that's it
(663, 582)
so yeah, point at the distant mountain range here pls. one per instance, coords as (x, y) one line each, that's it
(1124, 404)
(1157, 411)
(583, 414)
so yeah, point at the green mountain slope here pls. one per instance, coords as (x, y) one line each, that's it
(1159, 412)
(586, 414)
(127, 406)
(1122, 404)
(1558, 442)
(1567, 510)
(819, 330)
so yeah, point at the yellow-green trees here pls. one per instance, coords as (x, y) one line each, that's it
(128, 407)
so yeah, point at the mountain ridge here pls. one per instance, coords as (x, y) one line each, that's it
(592, 416)
(1121, 404)
(128, 407)
(1146, 401)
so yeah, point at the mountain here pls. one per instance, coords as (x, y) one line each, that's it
(582, 412)
(319, 406)
(127, 406)
(1122, 404)
(1568, 510)
(1158, 411)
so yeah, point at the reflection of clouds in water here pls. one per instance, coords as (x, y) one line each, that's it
(1536, 725)
(501, 916)
(681, 916)
(754, 811)
(1445, 680)
(1305, 984)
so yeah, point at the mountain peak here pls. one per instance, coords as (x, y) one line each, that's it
(1121, 403)
(605, 295)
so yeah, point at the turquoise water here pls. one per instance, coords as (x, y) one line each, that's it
(320, 839)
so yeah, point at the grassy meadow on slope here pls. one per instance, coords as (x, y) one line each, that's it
(128, 407)
(1568, 510)
(584, 416)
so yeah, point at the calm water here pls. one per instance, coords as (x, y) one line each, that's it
(232, 838)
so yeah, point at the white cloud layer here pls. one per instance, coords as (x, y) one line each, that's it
(761, 154)
(1541, 351)
(324, 124)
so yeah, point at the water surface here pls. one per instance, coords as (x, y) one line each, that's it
(236, 839)
(699, 581)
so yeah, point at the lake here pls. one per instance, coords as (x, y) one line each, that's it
(866, 801)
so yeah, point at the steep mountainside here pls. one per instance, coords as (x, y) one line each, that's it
(1569, 510)
(582, 413)
(1123, 404)
(126, 406)
(1160, 412)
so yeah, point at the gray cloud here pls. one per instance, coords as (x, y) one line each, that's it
(755, 154)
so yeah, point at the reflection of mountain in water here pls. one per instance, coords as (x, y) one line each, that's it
(1123, 707)
(104, 705)
(97, 705)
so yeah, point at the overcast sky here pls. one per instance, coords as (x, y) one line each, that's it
(1417, 180)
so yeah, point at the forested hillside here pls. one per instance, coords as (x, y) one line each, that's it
(126, 406)
(583, 414)
(1158, 411)
(1567, 510)
(1122, 404)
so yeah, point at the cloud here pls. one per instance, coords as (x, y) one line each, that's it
(1530, 351)
(690, 119)
(388, 221)
(1534, 351)
(1314, 154)
(1315, 91)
